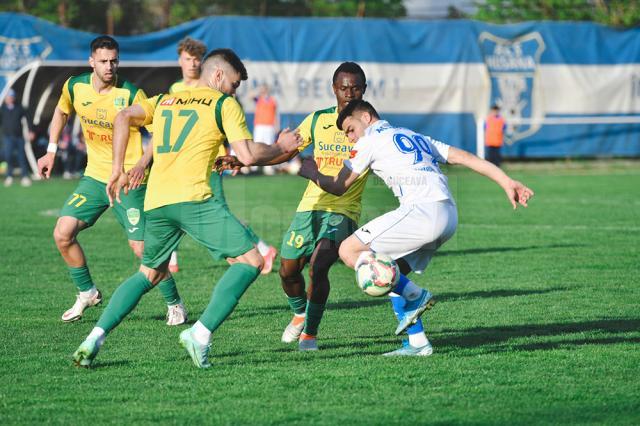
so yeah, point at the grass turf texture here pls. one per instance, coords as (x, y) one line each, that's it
(537, 322)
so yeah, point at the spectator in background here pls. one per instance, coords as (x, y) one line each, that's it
(11, 114)
(494, 127)
(265, 120)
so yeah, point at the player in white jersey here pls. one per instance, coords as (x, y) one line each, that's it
(427, 215)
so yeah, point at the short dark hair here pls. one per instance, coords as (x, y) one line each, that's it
(192, 47)
(230, 57)
(104, 42)
(353, 107)
(349, 68)
(496, 107)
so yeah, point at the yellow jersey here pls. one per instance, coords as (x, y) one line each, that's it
(96, 113)
(188, 129)
(179, 86)
(330, 148)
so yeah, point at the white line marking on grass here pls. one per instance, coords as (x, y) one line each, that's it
(50, 212)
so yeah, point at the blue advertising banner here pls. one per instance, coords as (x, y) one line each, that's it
(560, 86)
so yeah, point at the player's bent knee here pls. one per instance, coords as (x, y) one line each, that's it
(289, 270)
(252, 257)
(65, 231)
(153, 275)
(350, 250)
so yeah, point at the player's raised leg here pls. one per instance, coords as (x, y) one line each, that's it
(162, 236)
(123, 301)
(418, 299)
(417, 343)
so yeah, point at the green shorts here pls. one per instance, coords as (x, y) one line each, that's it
(89, 200)
(218, 193)
(208, 222)
(216, 187)
(310, 227)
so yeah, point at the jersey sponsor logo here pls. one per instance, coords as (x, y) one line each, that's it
(96, 122)
(168, 102)
(86, 103)
(328, 126)
(333, 147)
(119, 103)
(98, 137)
(201, 101)
(512, 65)
(329, 161)
(133, 215)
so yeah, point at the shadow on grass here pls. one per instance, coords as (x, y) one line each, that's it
(440, 297)
(490, 339)
(107, 364)
(450, 340)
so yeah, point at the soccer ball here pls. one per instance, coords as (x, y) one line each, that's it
(376, 273)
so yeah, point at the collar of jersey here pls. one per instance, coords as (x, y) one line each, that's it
(375, 126)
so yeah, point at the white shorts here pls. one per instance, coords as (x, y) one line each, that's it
(411, 232)
(264, 133)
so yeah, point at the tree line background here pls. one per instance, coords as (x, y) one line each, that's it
(127, 17)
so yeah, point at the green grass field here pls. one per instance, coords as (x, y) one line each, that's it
(538, 319)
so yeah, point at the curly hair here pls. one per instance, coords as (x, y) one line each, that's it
(192, 47)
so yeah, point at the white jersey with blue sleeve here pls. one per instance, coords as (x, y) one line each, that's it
(405, 160)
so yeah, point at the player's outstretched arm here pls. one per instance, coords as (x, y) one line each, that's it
(47, 161)
(130, 116)
(336, 185)
(517, 192)
(252, 153)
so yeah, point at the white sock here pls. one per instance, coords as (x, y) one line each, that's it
(201, 333)
(418, 340)
(89, 293)
(99, 334)
(263, 247)
(411, 291)
(174, 258)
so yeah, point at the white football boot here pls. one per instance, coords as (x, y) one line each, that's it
(176, 314)
(82, 302)
(294, 328)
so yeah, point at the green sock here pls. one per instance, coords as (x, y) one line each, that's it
(169, 291)
(252, 235)
(81, 278)
(124, 299)
(314, 316)
(226, 294)
(298, 304)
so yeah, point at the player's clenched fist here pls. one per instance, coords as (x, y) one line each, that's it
(289, 140)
